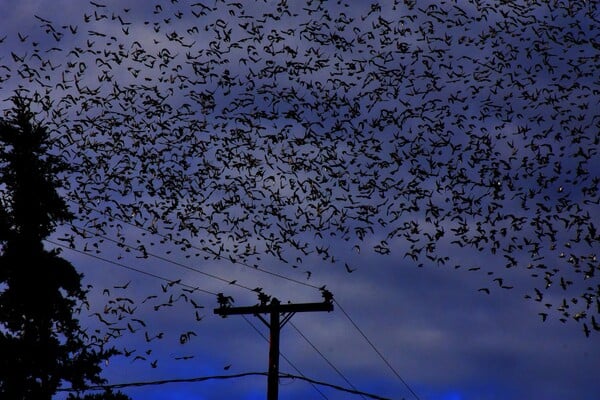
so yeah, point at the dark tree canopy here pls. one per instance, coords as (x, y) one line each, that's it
(441, 131)
(41, 342)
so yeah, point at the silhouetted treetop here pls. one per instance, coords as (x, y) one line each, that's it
(41, 341)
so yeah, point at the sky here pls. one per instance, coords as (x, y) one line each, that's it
(398, 330)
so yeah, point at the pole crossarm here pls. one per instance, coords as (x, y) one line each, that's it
(275, 310)
(268, 308)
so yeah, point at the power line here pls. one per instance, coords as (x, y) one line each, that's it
(283, 356)
(381, 356)
(323, 356)
(195, 288)
(212, 253)
(122, 244)
(245, 287)
(118, 264)
(213, 377)
(373, 396)
(376, 350)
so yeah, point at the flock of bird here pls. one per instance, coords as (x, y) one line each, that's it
(120, 317)
(305, 131)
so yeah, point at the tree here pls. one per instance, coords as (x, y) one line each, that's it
(41, 342)
(296, 130)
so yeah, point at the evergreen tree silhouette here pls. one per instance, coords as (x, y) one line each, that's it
(41, 341)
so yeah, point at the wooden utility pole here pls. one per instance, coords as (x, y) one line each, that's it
(275, 310)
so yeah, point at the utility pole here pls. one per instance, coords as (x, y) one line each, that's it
(275, 310)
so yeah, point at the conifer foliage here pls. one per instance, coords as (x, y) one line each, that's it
(41, 342)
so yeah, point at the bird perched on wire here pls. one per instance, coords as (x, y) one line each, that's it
(263, 298)
(327, 295)
(224, 301)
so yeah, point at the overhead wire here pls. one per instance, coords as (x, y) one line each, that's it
(122, 265)
(213, 254)
(377, 350)
(323, 357)
(122, 244)
(189, 286)
(344, 312)
(165, 259)
(240, 375)
(149, 254)
(283, 355)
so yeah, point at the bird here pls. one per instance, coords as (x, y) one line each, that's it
(195, 305)
(127, 353)
(586, 330)
(124, 286)
(327, 295)
(224, 301)
(348, 269)
(150, 297)
(139, 321)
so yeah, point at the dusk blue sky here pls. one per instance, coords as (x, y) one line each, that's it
(437, 334)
